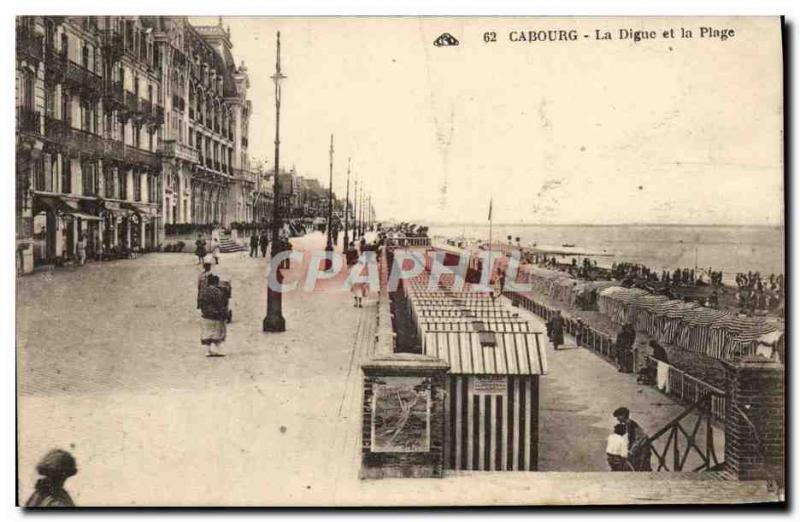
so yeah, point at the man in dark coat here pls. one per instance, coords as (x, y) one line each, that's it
(555, 330)
(638, 441)
(264, 242)
(55, 468)
(625, 340)
(253, 244)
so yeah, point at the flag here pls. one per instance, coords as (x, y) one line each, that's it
(490, 209)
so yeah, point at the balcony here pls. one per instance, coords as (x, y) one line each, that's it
(132, 102)
(74, 140)
(142, 157)
(158, 114)
(29, 121)
(115, 94)
(114, 45)
(175, 149)
(80, 76)
(55, 63)
(30, 44)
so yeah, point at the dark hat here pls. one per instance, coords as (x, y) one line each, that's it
(57, 463)
(622, 412)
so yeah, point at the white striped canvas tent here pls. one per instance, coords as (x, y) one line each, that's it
(688, 326)
(492, 399)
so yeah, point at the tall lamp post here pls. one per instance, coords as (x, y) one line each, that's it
(274, 321)
(347, 208)
(355, 211)
(329, 243)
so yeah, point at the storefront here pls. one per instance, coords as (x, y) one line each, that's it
(57, 227)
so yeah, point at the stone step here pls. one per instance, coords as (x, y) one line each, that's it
(228, 245)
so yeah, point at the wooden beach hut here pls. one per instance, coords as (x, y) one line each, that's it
(492, 398)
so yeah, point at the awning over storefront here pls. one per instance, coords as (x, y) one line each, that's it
(60, 207)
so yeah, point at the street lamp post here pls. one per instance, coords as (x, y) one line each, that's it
(329, 243)
(355, 211)
(347, 208)
(274, 321)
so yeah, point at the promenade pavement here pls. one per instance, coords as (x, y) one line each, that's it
(110, 367)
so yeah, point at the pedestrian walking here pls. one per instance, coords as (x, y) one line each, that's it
(202, 278)
(81, 249)
(55, 468)
(359, 290)
(264, 242)
(214, 310)
(215, 249)
(253, 244)
(200, 248)
(555, 330)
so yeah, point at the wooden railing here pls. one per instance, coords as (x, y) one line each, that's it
(680, 442)
(689, 389)
(408, 241)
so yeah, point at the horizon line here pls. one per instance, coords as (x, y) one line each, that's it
(642, 224)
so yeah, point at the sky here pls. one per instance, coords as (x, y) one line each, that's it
(669, 130)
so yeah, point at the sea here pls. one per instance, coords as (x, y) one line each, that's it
(731, 249)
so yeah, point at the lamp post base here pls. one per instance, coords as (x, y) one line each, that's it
(274, 322)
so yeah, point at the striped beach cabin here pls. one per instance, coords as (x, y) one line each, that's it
(492, 398)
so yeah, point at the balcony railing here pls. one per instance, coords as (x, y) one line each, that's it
(55, 63)
(158, 114)
(79, 75)
(175, 149)
(143, 157)
(132, 102)
(146, 106)
(115, 93)
(29, 120)
(29, 43)
(114, 45)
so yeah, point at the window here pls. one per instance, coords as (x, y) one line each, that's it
(137, 186)
(44, 173)
(90, 181)
(85, 56)
(65, 108)
(122, 184)
(27, 90)
(66, 175)
(50, 100)
(108, 182)
(64, 44)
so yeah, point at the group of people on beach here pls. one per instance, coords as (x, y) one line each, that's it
(756, 294)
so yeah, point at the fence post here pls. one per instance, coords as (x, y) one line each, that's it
(754, 424)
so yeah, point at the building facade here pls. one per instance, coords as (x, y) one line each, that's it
(124, 124)
(208, 178)
(89, 124)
